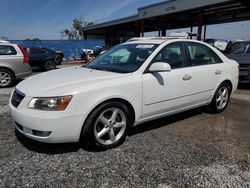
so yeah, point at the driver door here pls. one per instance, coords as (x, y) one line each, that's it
(167, 91)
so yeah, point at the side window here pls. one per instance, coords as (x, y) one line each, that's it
(241, 48)
(37, 51)
(201, 55)
(171, 54)
(7, 50)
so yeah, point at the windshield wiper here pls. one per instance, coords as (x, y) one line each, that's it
(99, 68)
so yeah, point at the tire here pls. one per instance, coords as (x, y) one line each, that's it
(7, 78)
(107, 126)
(220, 99)
(49, 65)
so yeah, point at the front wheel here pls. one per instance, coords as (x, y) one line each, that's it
(106, 127)
(220, 99)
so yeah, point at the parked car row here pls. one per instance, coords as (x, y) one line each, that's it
(39, 58)
(96, 51)
(17, 62)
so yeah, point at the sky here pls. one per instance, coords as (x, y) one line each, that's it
(44, 19)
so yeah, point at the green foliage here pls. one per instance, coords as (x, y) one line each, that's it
(76, 31)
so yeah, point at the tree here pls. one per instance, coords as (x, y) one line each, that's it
(76, 31)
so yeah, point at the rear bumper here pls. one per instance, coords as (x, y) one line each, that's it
(244, 81)
(23, 74)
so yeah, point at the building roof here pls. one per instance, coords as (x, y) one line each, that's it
(165, 8)
(172, 14)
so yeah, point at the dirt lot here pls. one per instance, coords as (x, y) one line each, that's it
(191, 149)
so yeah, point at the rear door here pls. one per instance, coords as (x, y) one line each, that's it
(36, 56)
(207, 69)
(9, 57)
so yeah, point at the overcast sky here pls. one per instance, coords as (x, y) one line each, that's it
(44, 19)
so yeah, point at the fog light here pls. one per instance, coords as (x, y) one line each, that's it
(41, 133)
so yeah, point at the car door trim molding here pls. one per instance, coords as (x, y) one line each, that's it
(148, 104)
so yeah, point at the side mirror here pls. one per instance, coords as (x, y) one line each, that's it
(160, 67)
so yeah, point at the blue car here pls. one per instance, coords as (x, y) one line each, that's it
(42, 58)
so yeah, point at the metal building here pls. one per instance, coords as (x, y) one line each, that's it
(171, 14)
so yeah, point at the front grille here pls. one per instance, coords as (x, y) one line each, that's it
(17, 98)
(245, 66)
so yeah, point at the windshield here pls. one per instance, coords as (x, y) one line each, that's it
(124, 58)
(241, 48)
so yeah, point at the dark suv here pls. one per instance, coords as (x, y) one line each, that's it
(42, 58)
(240, 52)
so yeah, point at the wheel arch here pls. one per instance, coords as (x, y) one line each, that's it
(9, 69)
(116, 99)
(49, 59)
(227, 81)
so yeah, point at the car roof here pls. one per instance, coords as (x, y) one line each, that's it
(158, 40)
(7, 44)
(4, 41)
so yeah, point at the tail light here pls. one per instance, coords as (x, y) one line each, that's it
(25, 55)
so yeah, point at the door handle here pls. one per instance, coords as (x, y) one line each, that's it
(186, 77)
(218, 72)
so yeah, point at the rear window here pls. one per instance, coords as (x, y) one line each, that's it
(37, 51)
(201, 55)
(7, 50)
(241, 48)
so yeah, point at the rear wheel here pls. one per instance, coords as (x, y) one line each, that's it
(220, 99)
(49, 65)
(106, 127)
(7, 78)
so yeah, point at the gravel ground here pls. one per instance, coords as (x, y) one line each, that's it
(191, 149)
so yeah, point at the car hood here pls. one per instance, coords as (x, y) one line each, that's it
(55, 83)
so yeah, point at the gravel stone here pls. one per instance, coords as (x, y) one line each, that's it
(191, 149)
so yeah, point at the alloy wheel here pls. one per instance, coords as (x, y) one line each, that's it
(222, 98)
(110, 126)
(49, 65)
(5, 79)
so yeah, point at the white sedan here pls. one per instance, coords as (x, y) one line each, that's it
(134, 82)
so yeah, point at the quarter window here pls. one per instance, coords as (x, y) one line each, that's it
(201, 55)
(37, 51)
(171, 54)
(7, 50)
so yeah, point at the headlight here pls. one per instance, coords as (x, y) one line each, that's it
(50, 103)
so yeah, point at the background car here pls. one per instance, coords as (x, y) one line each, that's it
(42, 58)
(220, 44)
(240, 51)
(100, 49)
(14, 64)
(60, 57)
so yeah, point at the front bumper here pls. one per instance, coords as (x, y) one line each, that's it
(56, 126)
